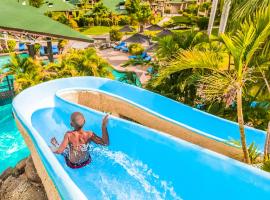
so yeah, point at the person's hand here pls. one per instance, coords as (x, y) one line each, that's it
(54, 141)
(105, 120)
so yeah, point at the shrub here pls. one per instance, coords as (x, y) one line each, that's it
(37, 47)
(253, 152)
(266, 166)
(136, 49)
(11, 45)
(73, 23)
(83, 21)
(124, 20)
(115, 35)
(61, 45)
(202, 23)
(63, 19)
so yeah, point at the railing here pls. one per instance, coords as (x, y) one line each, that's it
(6, 90)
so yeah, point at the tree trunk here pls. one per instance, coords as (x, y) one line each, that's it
(212, 17)
(49, 49)
(224, 16)
(141, 27)
(241, 125)
(267, 144)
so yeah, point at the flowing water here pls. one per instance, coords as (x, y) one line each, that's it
(12, 146)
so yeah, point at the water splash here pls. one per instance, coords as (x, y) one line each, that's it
(149, 181)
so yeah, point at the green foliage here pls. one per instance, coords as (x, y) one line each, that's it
(61, 44)
(139, 11)
(169, 46)
(11, 45)
(185, 67)
(266, 166)
(130, 78)
(202, 23)
(36, 3)
(115, 35)
(132, 6)
(124, 20)
(136, 49)
(253, 153)
(37, 47)
(29, 72)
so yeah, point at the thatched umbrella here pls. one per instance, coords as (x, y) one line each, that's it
(126, 29)
(165, 32)
(138, 38)
(154, 27)
(152, 47)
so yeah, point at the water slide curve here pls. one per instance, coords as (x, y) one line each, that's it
(140, 162)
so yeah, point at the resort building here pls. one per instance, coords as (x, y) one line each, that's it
(170, 6)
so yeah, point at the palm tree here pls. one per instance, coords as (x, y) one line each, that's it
(143, 15)
(243, 8)
(224, 16)
(212, 17)
(244, 47)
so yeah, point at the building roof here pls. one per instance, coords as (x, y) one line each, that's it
(114, 6)
(26, 19)
(51, 5)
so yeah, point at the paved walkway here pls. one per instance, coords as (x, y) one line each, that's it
(117, 58)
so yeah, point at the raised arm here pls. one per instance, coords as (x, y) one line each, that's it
(105, 138)
(62, 146)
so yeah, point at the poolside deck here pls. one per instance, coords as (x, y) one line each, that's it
(117, 58)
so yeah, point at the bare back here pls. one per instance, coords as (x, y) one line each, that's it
(78, 145)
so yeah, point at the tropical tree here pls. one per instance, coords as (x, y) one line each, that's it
(139, 11)
(143, 15)
(224, 16)
(217, 84)
(212, 17)
(28, 72)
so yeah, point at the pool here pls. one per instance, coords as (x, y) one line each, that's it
(12, 146)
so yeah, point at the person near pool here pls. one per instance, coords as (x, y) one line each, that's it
(75, 145)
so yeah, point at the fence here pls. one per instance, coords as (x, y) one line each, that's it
(6, 90)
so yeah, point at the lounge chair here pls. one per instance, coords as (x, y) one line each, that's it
(143, 55)
(55, 49)
(124, 49)
(42, 51)
(22, 47)
(148, 58)
(122, 44)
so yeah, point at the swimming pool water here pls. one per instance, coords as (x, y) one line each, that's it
(12, 146)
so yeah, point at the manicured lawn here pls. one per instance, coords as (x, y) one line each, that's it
(96, 30)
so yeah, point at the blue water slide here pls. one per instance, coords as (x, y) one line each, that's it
(139, 163)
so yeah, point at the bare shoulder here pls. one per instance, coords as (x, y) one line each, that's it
(68, 133)
(90, 133)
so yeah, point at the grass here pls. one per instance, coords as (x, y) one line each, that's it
(96, 30)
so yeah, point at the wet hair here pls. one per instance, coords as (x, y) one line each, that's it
(77, 120)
